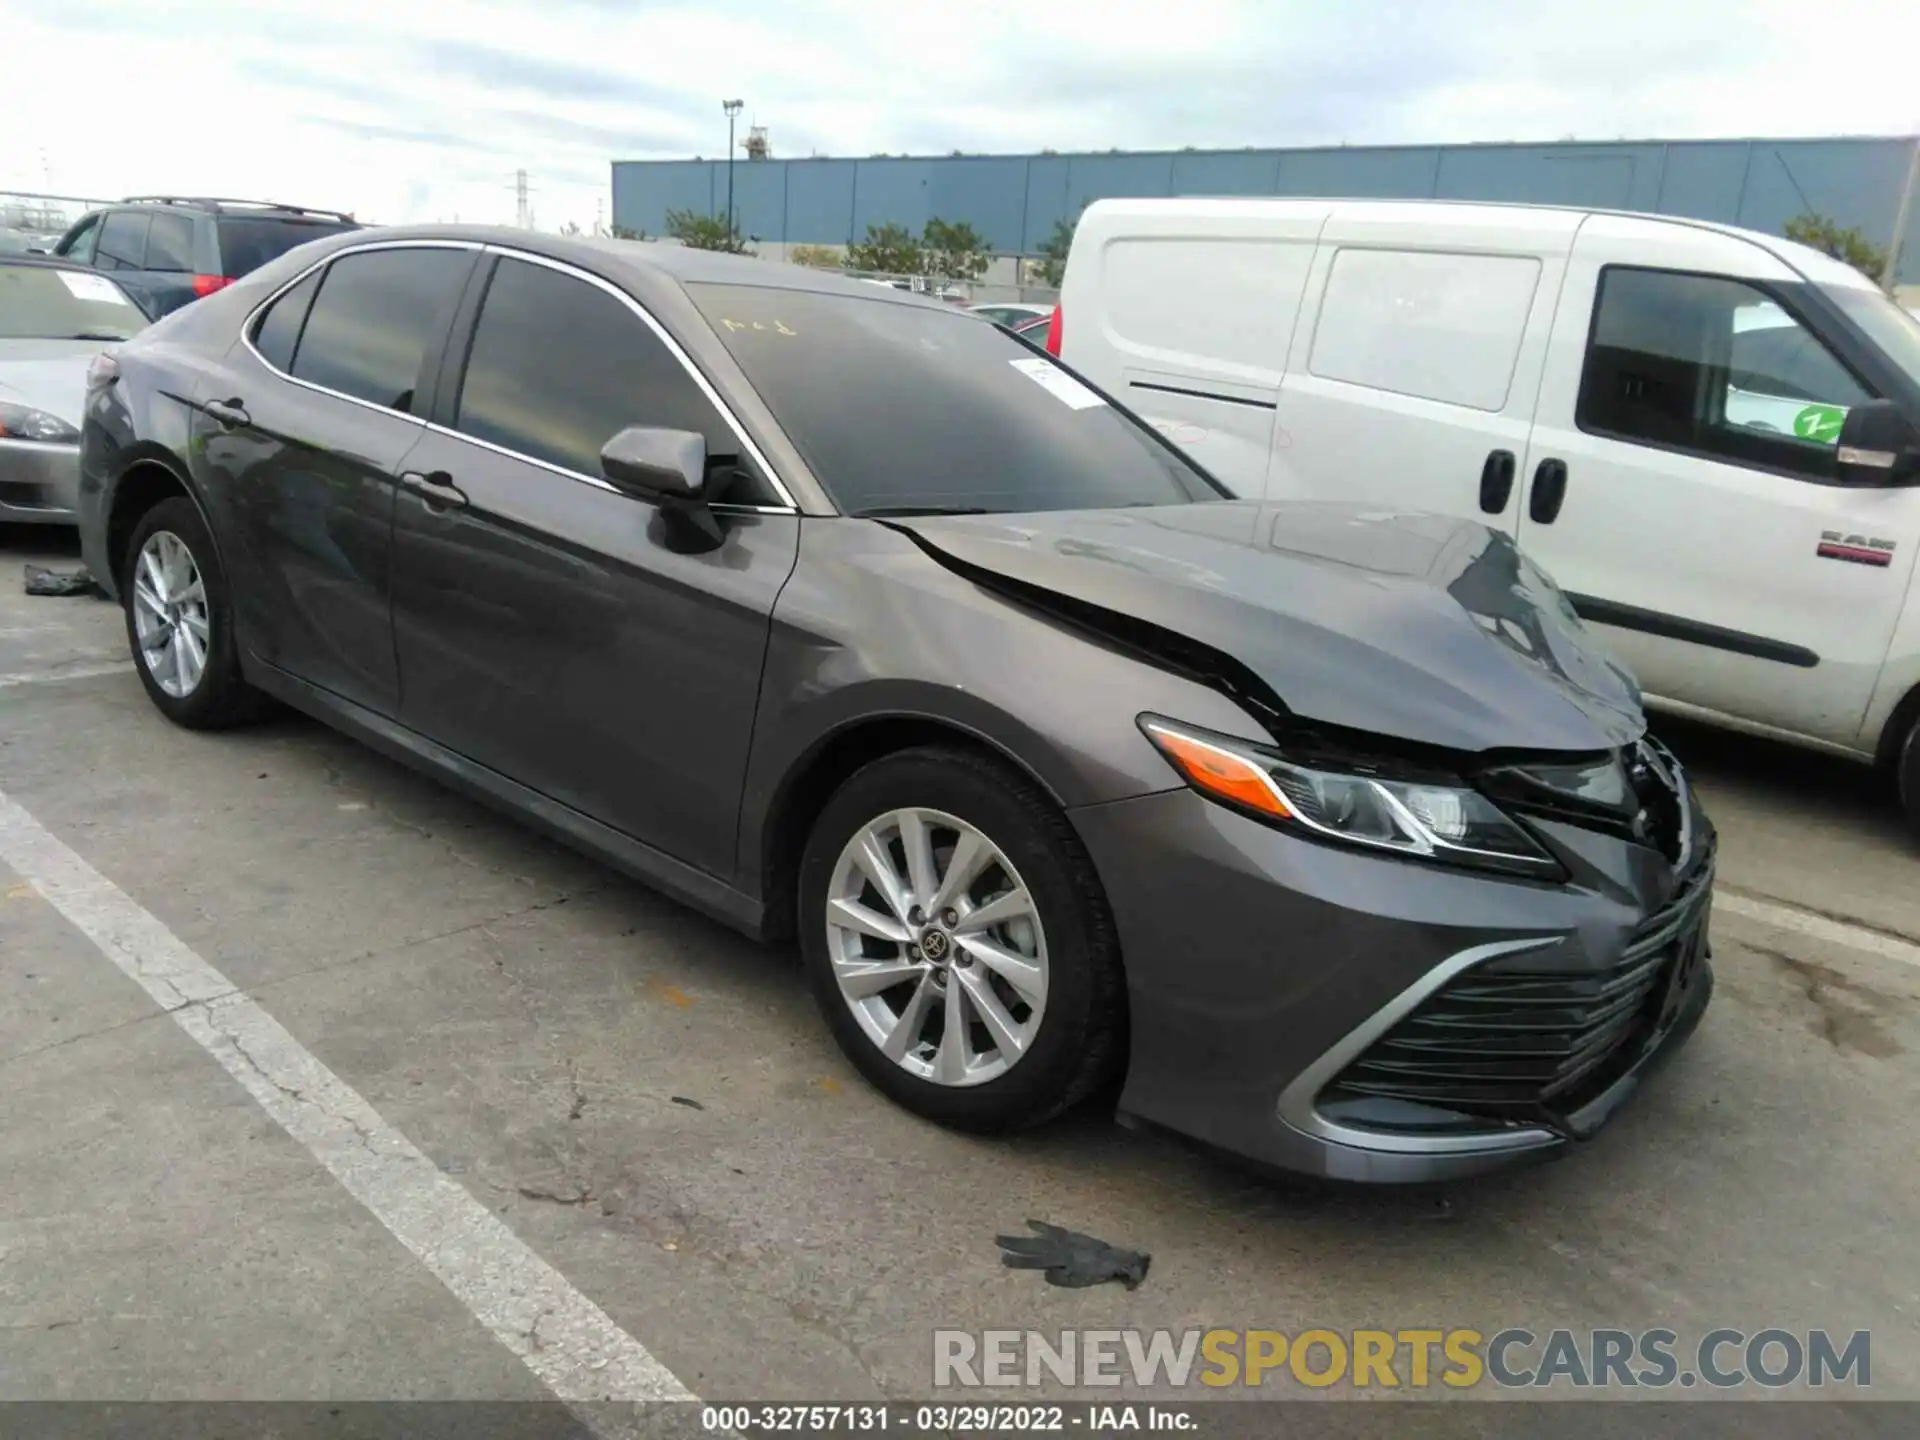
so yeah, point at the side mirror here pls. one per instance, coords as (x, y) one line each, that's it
(1878, 445)
(666, 467)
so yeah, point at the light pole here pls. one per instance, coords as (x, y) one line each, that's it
(732, 107)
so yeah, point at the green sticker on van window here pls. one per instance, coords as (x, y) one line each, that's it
(1820, 423)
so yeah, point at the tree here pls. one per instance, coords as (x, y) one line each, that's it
(571, 227)
(889, 249)
(625, 232)
(1053, 252)
(705, 232)
(955, 251)
(1843, 242)
(816, 257)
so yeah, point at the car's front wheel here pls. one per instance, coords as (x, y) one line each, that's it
(959, 943)
(180, 620)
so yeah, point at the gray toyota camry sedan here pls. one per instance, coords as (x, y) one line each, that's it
(1326, 835)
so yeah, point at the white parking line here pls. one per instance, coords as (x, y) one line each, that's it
(1818, 927)
(566, 1340)
(72, 672)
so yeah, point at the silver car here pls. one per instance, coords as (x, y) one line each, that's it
(54, 318)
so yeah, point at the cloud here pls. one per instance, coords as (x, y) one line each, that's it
(405, 113)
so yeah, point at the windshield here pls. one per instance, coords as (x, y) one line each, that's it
(1887, 325)
(247, 244)
(900, 409)
(43, 302)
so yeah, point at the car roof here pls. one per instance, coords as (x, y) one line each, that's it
(647, 267)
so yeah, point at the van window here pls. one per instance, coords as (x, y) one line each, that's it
(1416, 322)
(1711, 365)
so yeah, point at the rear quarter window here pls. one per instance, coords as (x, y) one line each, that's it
(1430, 324)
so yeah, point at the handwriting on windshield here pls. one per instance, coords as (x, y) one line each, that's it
(778, 327)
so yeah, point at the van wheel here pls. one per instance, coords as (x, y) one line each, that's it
(959, 943)
(1907, 774)
(180, 621)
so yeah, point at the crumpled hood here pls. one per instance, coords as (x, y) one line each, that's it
(49, 375)
(1413, 626)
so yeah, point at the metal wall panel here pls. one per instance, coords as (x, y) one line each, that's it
(1015, 200)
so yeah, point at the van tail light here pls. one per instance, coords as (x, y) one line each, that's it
(207, 284)
(1056, 328)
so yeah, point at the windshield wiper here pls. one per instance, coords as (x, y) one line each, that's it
(881, 511)
(94, 335)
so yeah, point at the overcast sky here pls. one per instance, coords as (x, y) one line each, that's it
(421, 111)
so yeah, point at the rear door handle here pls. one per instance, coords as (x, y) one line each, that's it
(1496, 482)
(229, 412)
(1549, 492)
(435, 487)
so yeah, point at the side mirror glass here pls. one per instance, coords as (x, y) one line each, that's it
(666, 467)
(1878, 445)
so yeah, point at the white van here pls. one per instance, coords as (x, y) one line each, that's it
(1709, 437)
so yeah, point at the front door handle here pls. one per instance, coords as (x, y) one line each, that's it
(435, 487)
(229, 412)
(1549, 492)
(1496, 482)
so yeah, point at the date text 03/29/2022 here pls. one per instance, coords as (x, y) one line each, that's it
(942, 1418)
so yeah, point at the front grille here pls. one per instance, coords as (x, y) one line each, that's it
(1510, 1042)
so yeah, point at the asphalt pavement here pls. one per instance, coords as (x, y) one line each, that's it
(318, 1081)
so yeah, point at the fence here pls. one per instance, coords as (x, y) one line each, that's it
(29, 220)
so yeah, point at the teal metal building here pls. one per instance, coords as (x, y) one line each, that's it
(1015, 200)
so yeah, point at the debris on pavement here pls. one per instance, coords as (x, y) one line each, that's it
(1071, 1259)
(683, 1100)
(42, 581)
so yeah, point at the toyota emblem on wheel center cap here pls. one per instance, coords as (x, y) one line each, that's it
(933, 944)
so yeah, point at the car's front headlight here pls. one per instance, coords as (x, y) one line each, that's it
(22, 422)
(1441, 819)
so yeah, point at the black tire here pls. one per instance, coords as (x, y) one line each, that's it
(222, 698)
(1906, 772)
(1081, 1039)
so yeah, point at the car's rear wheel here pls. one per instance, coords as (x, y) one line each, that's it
(959, 943)
(179, 620)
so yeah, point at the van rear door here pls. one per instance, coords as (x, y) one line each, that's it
(1415, 367)
(1184, 311)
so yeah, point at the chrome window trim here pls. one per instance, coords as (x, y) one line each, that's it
(673, 348)
(1298, 1108)
(253, 317)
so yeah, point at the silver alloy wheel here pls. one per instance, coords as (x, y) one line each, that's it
(937, 947)
(170, 615)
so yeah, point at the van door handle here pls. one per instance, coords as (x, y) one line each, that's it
(1549, 492)
(229, 412)
(1496, 482)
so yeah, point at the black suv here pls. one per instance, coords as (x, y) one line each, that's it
(168, 250)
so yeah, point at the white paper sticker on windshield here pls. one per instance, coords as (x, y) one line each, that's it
(91, 287)
(1057, 382)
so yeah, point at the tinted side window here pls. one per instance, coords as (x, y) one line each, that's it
(375, 316)
(279, 329)
(1714, 366)
(123, 241)
(559, 367)
(170, 243)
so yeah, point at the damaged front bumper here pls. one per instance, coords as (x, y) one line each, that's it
(1336, 1013)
